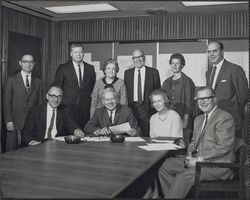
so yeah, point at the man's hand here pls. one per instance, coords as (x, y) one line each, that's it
(185, 121)
(34, 142)
(10, 126)
(102, 132)
(79, 133)
(132, 132)
(191, 162)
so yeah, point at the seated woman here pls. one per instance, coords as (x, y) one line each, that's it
(180, 90)
(166, 122)
(110, 70)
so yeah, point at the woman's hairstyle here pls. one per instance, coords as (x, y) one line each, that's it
(177, 56)
(112, 61)
(161, 92)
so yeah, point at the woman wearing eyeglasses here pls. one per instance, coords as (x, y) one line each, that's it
(166, 122)
(180, 90)
(110, 70)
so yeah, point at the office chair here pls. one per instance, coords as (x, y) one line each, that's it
(237, 184)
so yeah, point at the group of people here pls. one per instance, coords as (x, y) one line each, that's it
(78, 104)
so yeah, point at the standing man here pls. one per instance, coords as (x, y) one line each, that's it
(49, 120)
(77, 79)
(140, 81)
(213, 141)
(22, 91)
(229, 82)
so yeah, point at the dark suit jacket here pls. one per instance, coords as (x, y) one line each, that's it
(100, 119)
(217, 142)
(231, 90)
(66, 78)
(35, 123)
(17, 101)
(152, 82)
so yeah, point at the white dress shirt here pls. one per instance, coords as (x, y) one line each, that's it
(142, 72)
(48, 119)
(24, 78)
(218, 67)
(77, 69)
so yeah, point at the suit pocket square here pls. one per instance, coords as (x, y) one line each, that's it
(222, 81)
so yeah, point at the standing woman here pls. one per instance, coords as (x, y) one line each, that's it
(110, 70)
(166, 122)
(180, 90)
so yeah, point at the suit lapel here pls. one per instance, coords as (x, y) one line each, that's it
(20, 79)
(43, 114)
(106, 117)
(132, 82)
(73, 74)
(117, 114)
(222, 69)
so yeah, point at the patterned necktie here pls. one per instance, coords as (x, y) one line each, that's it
(51, 125)
(139, 87)
(80, 75)
(211, 78)
(111, 116)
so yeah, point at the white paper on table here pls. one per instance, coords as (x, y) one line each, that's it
(96, 139)
(121, 128)
(167, 141)
(160, 147)
(134, 139)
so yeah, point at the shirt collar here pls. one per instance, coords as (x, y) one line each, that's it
(218, 65)
(24, 73)
(210, 113)
(49, 107)
(76, 64)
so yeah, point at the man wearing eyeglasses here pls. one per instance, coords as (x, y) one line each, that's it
(22, 91)
(213, 141)
(49, 120)
(140, 81)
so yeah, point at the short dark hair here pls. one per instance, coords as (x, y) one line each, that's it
(177, 56)
(75, 44)
(161, 92)
(219, 43)
(113, 61)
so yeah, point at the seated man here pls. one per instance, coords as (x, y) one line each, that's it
(213, 140)
(111, 114)
(49, 120)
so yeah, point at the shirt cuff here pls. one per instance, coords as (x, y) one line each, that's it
(200, 158)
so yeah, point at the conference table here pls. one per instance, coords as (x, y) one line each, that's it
(55, 169)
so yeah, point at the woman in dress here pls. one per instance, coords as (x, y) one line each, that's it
(180, 90)
(110, 70)
(166, 122)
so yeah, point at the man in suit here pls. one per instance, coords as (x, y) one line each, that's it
(213, 141)
(22, 91)
(77, 79)
(229, 82)
(140, 81)
(49, 120)
(111, 114)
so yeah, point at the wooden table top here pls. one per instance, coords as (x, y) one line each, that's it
(55, 169)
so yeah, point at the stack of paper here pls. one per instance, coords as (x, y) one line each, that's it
(160, 147)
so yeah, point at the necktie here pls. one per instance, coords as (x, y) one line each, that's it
(51, 125)
(139, 87)
(80, 75)
(110, 117)
(27, 83)
(201, 135)
(211, 78)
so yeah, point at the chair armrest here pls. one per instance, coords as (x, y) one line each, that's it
(216, 164)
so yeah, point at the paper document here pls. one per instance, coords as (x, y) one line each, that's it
(167, 141)
(96, 139)
(134, 139)
(160, 147)
(121, 128)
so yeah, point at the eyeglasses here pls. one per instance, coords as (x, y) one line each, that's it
(27, 61)
(55, 96)
(205, 99)
(137, 57)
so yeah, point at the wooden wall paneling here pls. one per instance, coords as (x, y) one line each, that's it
(1, 86)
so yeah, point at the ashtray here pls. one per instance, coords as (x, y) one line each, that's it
(117, 138)
(72, 139)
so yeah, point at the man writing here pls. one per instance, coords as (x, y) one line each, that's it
(49, 120)
(213, 140)
(111, 114)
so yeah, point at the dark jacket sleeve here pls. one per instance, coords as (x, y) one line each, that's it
(30, 125)
(93, 124)
(59, 76)
(8, 95)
